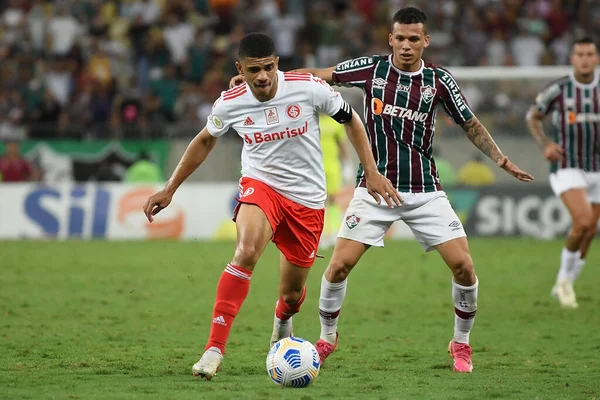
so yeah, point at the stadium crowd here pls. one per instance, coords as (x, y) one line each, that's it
(153, 68)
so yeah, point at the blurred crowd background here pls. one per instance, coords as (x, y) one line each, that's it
(152, 68)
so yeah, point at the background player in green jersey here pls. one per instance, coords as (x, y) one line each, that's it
(401, 94)
(574, 102)
(336, 162)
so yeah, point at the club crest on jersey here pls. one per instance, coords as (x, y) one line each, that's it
(428, 93)
(293, 111)
(272, 116)
(352, 221)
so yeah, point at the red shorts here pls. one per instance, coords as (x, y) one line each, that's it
(296, 228)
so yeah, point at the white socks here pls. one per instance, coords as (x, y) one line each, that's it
(577, 269)
(330, 303)
(465, 307)
(571, 265)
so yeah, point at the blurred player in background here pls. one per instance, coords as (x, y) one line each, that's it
(282, 189)
(401, 95)
(573, 153)
(338, 168)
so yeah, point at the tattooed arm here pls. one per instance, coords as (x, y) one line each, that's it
(481, 138)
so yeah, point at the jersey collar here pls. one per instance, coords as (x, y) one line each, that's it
(417, 72)
(590, 85)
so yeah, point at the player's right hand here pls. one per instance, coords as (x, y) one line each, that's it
(156, 203)
(379, 186)
(553, 152)
(236, 80)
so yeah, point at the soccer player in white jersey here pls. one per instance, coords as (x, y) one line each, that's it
(282, 189)
(573, 153)
(401, 97)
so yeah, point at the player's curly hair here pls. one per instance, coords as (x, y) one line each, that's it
(256, 45)
(409, 15)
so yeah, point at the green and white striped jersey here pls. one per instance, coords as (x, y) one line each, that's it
(400, 114)
(575, 109)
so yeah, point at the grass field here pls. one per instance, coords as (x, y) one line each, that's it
(98, 320)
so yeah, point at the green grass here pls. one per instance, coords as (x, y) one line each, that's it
(99, 320)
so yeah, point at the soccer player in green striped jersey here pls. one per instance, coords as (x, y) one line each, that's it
(401, 93)
(573, 153)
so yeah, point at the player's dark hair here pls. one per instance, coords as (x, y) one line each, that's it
(409, 15)
(584, 40)
(256, 45)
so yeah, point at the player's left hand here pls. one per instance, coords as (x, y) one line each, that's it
(236, 80)
(157, 202)
(515, 171)
(379, 186)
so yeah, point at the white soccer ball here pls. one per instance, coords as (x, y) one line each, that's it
(293, 362)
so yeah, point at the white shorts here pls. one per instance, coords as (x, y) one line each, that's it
(575, 178)
(429, 215)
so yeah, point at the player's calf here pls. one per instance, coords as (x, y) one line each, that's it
(286, 307)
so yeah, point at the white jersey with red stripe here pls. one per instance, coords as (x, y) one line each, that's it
(282, 145)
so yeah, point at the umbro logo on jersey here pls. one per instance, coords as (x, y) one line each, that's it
(379, 83)
(219, 320)
(455, 225)
(248, 121)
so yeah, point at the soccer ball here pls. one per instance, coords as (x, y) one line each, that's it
(293, 362)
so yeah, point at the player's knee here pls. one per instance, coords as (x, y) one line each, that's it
(246, 255)
(291, 296)
(338, 270)
(463, 270)
(592, 231)
(582, 225)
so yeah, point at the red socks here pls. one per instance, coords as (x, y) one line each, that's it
(285, 311)
(232, 290)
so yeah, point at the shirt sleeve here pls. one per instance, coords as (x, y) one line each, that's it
(326, 100)
(454, 102)
(219, 120)
(354, 72)
(545, 100)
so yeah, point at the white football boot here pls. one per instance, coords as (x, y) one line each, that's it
(563, 291)
(209, 364)
(280, 330)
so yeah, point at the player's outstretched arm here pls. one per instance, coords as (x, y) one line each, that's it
(377, 184)
(481, 138)
(552, 151)
(324, 73)
(194, 155)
